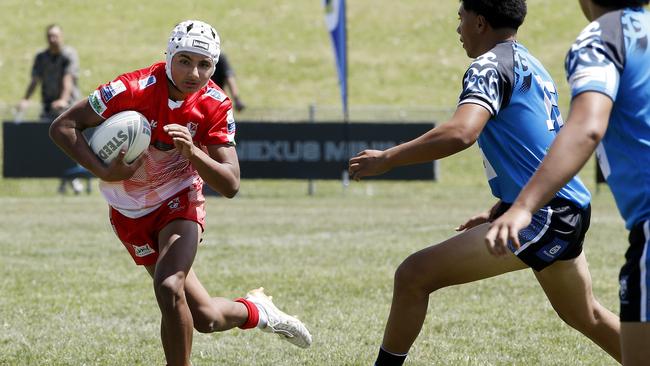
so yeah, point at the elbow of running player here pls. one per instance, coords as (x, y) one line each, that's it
(227, 186)
(462, 138)
(231, 191)
(594, 134)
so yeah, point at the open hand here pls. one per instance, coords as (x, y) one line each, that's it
(506, 228)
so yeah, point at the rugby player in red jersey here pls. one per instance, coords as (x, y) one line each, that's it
(156, 202)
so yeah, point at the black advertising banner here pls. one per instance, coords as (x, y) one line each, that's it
(265, 150)
(28, 152)
(321, 150)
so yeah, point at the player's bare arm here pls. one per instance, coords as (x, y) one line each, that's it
(66, 132)
(219, 167)
(569, 152)
(457, 134)
(224, 173)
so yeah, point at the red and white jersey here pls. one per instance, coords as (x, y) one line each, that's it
(207, 114)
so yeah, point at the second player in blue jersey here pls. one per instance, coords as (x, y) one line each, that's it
(509, 104)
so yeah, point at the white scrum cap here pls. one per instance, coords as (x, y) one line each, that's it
(192, 36)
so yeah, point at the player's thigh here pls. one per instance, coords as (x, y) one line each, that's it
(567, 284)
(178, 242)
(460, 259)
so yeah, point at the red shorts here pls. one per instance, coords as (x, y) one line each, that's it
(140, 236)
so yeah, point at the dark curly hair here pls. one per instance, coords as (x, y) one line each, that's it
(621, 3)
(499, 13)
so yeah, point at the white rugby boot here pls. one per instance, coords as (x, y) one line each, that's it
(287, 327)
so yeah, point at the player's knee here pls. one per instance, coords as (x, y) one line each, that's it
(203, 326)
(207, 320)
(409, 277)
(169, 290)
(580, 319)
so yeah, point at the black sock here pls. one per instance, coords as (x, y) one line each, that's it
(389, 359)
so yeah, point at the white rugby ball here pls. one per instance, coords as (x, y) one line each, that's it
(128, 129)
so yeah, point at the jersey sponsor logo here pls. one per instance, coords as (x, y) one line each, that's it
(200, 44)
(142, 250)
(107, 93)
(215, 94)
(230, 119)
(622, 292)
(146, 82)
(112, 89)
(192, 127)
(96, 102)
(551, 251)
(175, 204)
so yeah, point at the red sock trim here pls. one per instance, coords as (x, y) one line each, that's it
(253, 314)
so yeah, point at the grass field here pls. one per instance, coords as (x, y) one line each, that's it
(70, 295)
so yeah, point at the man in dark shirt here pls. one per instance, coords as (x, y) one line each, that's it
(56, 69)
(224, 76)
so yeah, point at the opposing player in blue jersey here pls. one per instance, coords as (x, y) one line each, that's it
(608, 69)
(508, 103)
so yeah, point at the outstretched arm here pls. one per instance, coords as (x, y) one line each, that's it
(457, 134)
(585, 127)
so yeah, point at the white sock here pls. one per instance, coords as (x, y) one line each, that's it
(264, 319)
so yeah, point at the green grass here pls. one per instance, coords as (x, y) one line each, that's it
(71, 295)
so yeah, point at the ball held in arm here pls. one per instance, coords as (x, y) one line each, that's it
(128, 130)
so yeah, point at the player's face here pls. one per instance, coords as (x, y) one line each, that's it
(191, 71)
(467, 29)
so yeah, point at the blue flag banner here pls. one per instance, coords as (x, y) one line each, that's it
(335, 19)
